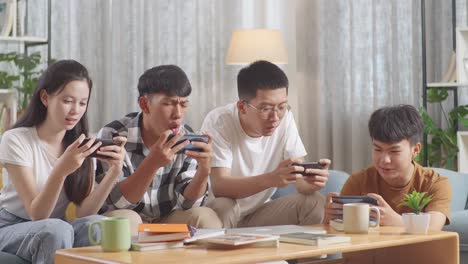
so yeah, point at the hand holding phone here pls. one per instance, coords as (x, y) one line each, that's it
(354, 199)
(309, 165)
(104, 142)
(190, 138)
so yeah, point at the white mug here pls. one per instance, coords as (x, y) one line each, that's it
(356, 218)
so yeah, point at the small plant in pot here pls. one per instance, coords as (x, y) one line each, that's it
(417, 222)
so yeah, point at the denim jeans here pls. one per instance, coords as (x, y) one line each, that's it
(37, 241)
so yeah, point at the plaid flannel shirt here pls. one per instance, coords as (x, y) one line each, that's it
(165, 193)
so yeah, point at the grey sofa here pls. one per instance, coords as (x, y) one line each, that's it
(6, 258)
(458, 208)
(458, 205)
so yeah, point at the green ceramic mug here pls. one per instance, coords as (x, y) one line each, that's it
(115, 234)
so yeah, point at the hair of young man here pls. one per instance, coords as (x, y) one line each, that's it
(393, 124)
(79, 183)
(260, 75)
(170, 80)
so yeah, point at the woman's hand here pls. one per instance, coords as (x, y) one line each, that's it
(76, 153)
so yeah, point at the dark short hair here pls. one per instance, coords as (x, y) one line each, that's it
(170, 80)
(258, 76)
(393, 124)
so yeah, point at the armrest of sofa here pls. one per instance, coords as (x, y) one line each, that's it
(459, 224)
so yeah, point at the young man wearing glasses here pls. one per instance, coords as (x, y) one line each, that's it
(159, 184)
(255, 144)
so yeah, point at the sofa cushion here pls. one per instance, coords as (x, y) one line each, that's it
(459, 183)
(335, 182)
(6, 258)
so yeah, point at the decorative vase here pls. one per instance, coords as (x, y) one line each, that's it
(416, 224)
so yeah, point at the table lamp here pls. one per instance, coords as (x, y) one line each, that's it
(250, 45)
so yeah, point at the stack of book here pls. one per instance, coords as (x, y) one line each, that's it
(160, 236)
(167, 236)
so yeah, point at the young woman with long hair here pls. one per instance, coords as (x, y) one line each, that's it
(47, 165)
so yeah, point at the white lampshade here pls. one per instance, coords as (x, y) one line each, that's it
(250, 45)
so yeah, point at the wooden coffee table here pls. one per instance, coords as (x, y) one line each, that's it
(388, 245)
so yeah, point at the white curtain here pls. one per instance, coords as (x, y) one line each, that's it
(346, 58)
(359, 56)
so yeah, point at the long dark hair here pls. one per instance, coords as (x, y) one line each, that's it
(79, 183)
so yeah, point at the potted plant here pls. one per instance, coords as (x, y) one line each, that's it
(417, 222)
(21, 73)
(442, 146)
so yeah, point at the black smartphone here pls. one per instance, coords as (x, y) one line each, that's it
(105, 142)
(354, 199)
(190, 138)
(309, 165)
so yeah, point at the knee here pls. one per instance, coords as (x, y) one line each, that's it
(132, 216)
(314, 204)
(316, 198)
(224, 206)
(227, 209)
(310, 200)
(56, 233)
(204, 217)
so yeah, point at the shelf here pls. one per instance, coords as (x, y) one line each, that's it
(462, 143)
(447, 84)
(25, 39)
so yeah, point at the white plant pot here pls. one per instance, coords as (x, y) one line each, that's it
(416, 224)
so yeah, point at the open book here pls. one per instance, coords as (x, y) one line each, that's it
(205, 233)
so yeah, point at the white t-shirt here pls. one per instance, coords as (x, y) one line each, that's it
(247, 156)
(22, 146)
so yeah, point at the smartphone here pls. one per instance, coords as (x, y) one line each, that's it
(309, 165)
(105, 142)
(354, 199)
(190, 138)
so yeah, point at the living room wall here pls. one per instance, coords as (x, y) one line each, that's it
(346, 58)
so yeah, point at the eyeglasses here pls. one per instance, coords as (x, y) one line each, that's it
(266, 111)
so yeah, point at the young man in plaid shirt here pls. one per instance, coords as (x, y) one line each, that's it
(158, 184)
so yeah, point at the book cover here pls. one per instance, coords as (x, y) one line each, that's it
(233, 240)
(451, 69)
(205, 233)
(136, 246)
(163, 232)
(3, 119)
(21, 18)
(7, 9)
(163, 228)
(313, 239)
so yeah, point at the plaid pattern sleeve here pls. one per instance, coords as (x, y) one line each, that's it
(116, 200)
(165, 193)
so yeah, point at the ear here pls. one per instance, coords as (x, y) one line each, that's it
(143, 102)
(415, 150)
(241, 107)
(44, 97)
